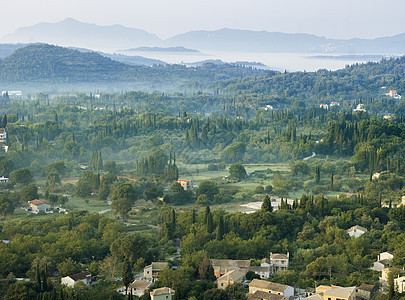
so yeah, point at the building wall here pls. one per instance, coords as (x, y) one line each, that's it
(163, 297)
(67, 281)
(289, 292)
(400, 283)
(147, 273)
(356, 233)
(222, 284)
(385, 255)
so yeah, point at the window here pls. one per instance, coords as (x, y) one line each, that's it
(222, 284)
(167, 297)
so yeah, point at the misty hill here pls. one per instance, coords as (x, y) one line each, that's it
(8, 49)
(71, 32)
(263, 41)
(178, 49)
(47, 63)
(358, 81)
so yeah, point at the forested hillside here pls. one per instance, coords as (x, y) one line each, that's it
(356, 81)
(46, 63)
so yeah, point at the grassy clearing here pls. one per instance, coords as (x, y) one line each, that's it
(93, 205)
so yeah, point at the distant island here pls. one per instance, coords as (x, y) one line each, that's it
(364, 57)
(178, 49)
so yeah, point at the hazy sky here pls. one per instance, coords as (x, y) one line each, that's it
(330, 18)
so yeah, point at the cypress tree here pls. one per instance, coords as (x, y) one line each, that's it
(220, 230)
(317, 177)
(193, 216)
(331, 181)
(266, 205)
(210, 223)
(207, 212)
(127, 274)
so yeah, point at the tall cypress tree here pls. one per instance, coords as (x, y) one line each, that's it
(210, 223)
(127, 274)
(220, 229)
(207, 212)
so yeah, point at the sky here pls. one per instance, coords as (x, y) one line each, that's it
(330, 18)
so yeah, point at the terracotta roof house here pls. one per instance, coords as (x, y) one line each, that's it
(152, 271)
(71, 280)
(186, 184)
(38, 205)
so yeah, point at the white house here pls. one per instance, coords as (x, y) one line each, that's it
(37, 206)
(71, 280)
(263, 272)
(3, 134)
(385, 255)
(356, 231)
(383, 261)
(399, 282)
(4, 179)
(360, 107)
(138, 288)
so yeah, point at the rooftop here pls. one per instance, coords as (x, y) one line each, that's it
(235, 275)
(279, 256)
(162, 291)
(357, 227)
(36, 202)
(226, 263)
(277, 287)
(80, 276)
(366, 287)
(158, 265)
(140, 284)
(264, 295)
(343, 292)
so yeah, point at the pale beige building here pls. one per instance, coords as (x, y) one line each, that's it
(152, 271)
(340, 293)
(270, 287)
(230, 278)
(163, 293)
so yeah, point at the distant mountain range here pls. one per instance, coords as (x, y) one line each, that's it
(70, 32)
(178, 49)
